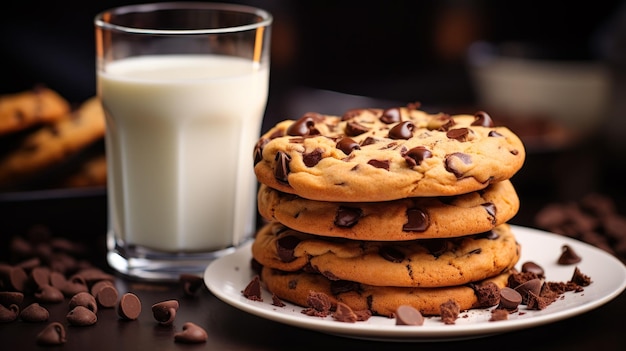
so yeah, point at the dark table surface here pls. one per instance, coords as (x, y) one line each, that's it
(80, 215)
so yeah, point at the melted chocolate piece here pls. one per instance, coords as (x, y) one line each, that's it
(347, 145)
(416, 155)
(353, 129)
(417, 220)
(347, 217)
(285, 247)
(384, 164)
(489, 235)
(460, 134)
(534, 268)
(402, 130)
(532, 285)
(568, 256)
(391, 254)
(281, 172)
(482, 119)
(312, 158)
(465, 158)
(305, 125)
(258, 150)
(391, 116)
(491, 211)
(493, 133)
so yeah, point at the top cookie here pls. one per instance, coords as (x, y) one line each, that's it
(30, 108)
(380, 155)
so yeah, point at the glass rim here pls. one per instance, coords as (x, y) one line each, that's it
(264, 16)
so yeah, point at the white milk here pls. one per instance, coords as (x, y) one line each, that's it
(180, 137)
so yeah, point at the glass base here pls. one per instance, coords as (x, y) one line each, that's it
(140, 263)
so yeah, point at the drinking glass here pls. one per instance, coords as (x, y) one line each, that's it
(184, 87)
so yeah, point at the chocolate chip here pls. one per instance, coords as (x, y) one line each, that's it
(15, 278)
(50, 294)
(81, 316)
(253, 289)
(416, 155)
(34, 313)
(491, 211)
(9, 313)
(353, 129)
(129, 306)
(40, 276)
(384, 164)
(52, 334)
(533, 285)
(191, 283)
(312, 158)
(417, 220)
(258, 150)
(343, 286)
(568, 256)
(579, 278)
(533, 267)
(107, 296)
(165, 312)
(452, 163)
(493, 133)
(84, 299)
(442, 122)
(191, 334)
(391, 254)
(402, 131)
(281, 172)
(459, 134)
(391, 116)
(347, 145)
(304, 126)
(509, 299)
(481, 118)
(350, 114)
(347, 217)
(11, 297)
(285, 247)
(408, 315)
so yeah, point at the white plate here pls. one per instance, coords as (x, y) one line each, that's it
(228, 276)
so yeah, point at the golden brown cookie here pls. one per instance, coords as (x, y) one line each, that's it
(416, 263)
(380, 300)
(30, 108)
(380, 155)
(404, 219)
(92, 172)
(54, 143)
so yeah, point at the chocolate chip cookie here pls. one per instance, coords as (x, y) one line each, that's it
(416, 263)
(404, 219)
(380, 300)
(380, 155)
(29, 108)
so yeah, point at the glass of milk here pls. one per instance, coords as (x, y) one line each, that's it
(184, 88)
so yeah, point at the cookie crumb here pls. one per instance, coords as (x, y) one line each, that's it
(499, 314)
(253, 290)
(319, 304)
(449, 311)
(343, 313)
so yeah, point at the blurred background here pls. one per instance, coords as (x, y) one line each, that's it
(555, 72)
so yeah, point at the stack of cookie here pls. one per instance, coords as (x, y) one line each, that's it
(44, 142)
(382, 208)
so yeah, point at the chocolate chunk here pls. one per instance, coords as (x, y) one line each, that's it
(258, 150)
(568, 256)
(533, 285)
(481, 118)
(347, 145)
(499, 315)
(281, 172)
(350, 114)
(391, 116)
(449, 311)
(417, 220)
(402, 131)
(533, 268)
(129, 306)
(50, 294)
(276, 301)
(384, 164)
(452, 163)
(191, 334)
(347, 217)
(9, 313)
(304, 126)
(416, 155)
(353, 129)
(34, 313)
(391, 254)
(165, 312)
(408, 315)
(579, 278)
(81, 316)
(285, 247)
(253, 290)
(84, 299)
(487, 294)
(312, 158)
(491, 211)
(459, 134)
(191, 283)
(52, 334)
(319, 304)
(343, 313)
(509, 299)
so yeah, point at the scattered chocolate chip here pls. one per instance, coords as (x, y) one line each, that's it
(533, 285)
(402, 131)
(81, 316)
(40, 276)
(384, 164)
(449, 312)
(312, 158)
(13, 277)
(455, 161)
(191, 283)
(50, 294)
(568, 256)
(347, 145)
(304, 126)
(129, 306)
(53, 334)
(416, 155)
(253, 289)
(533, 268)
(347, 217)
(84, 299)
(107, 296)
(509, 299)
(191, 334)
(353, 129)
(481, 118)
(343, 313)
(9, 313)
(459, 134)
(408, 315)
(11, 297)
(391, 116)
(165, 312)
(417, 220)
(34, 313)
(579, 278)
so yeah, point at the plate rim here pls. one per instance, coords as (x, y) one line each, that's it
(371, 331)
